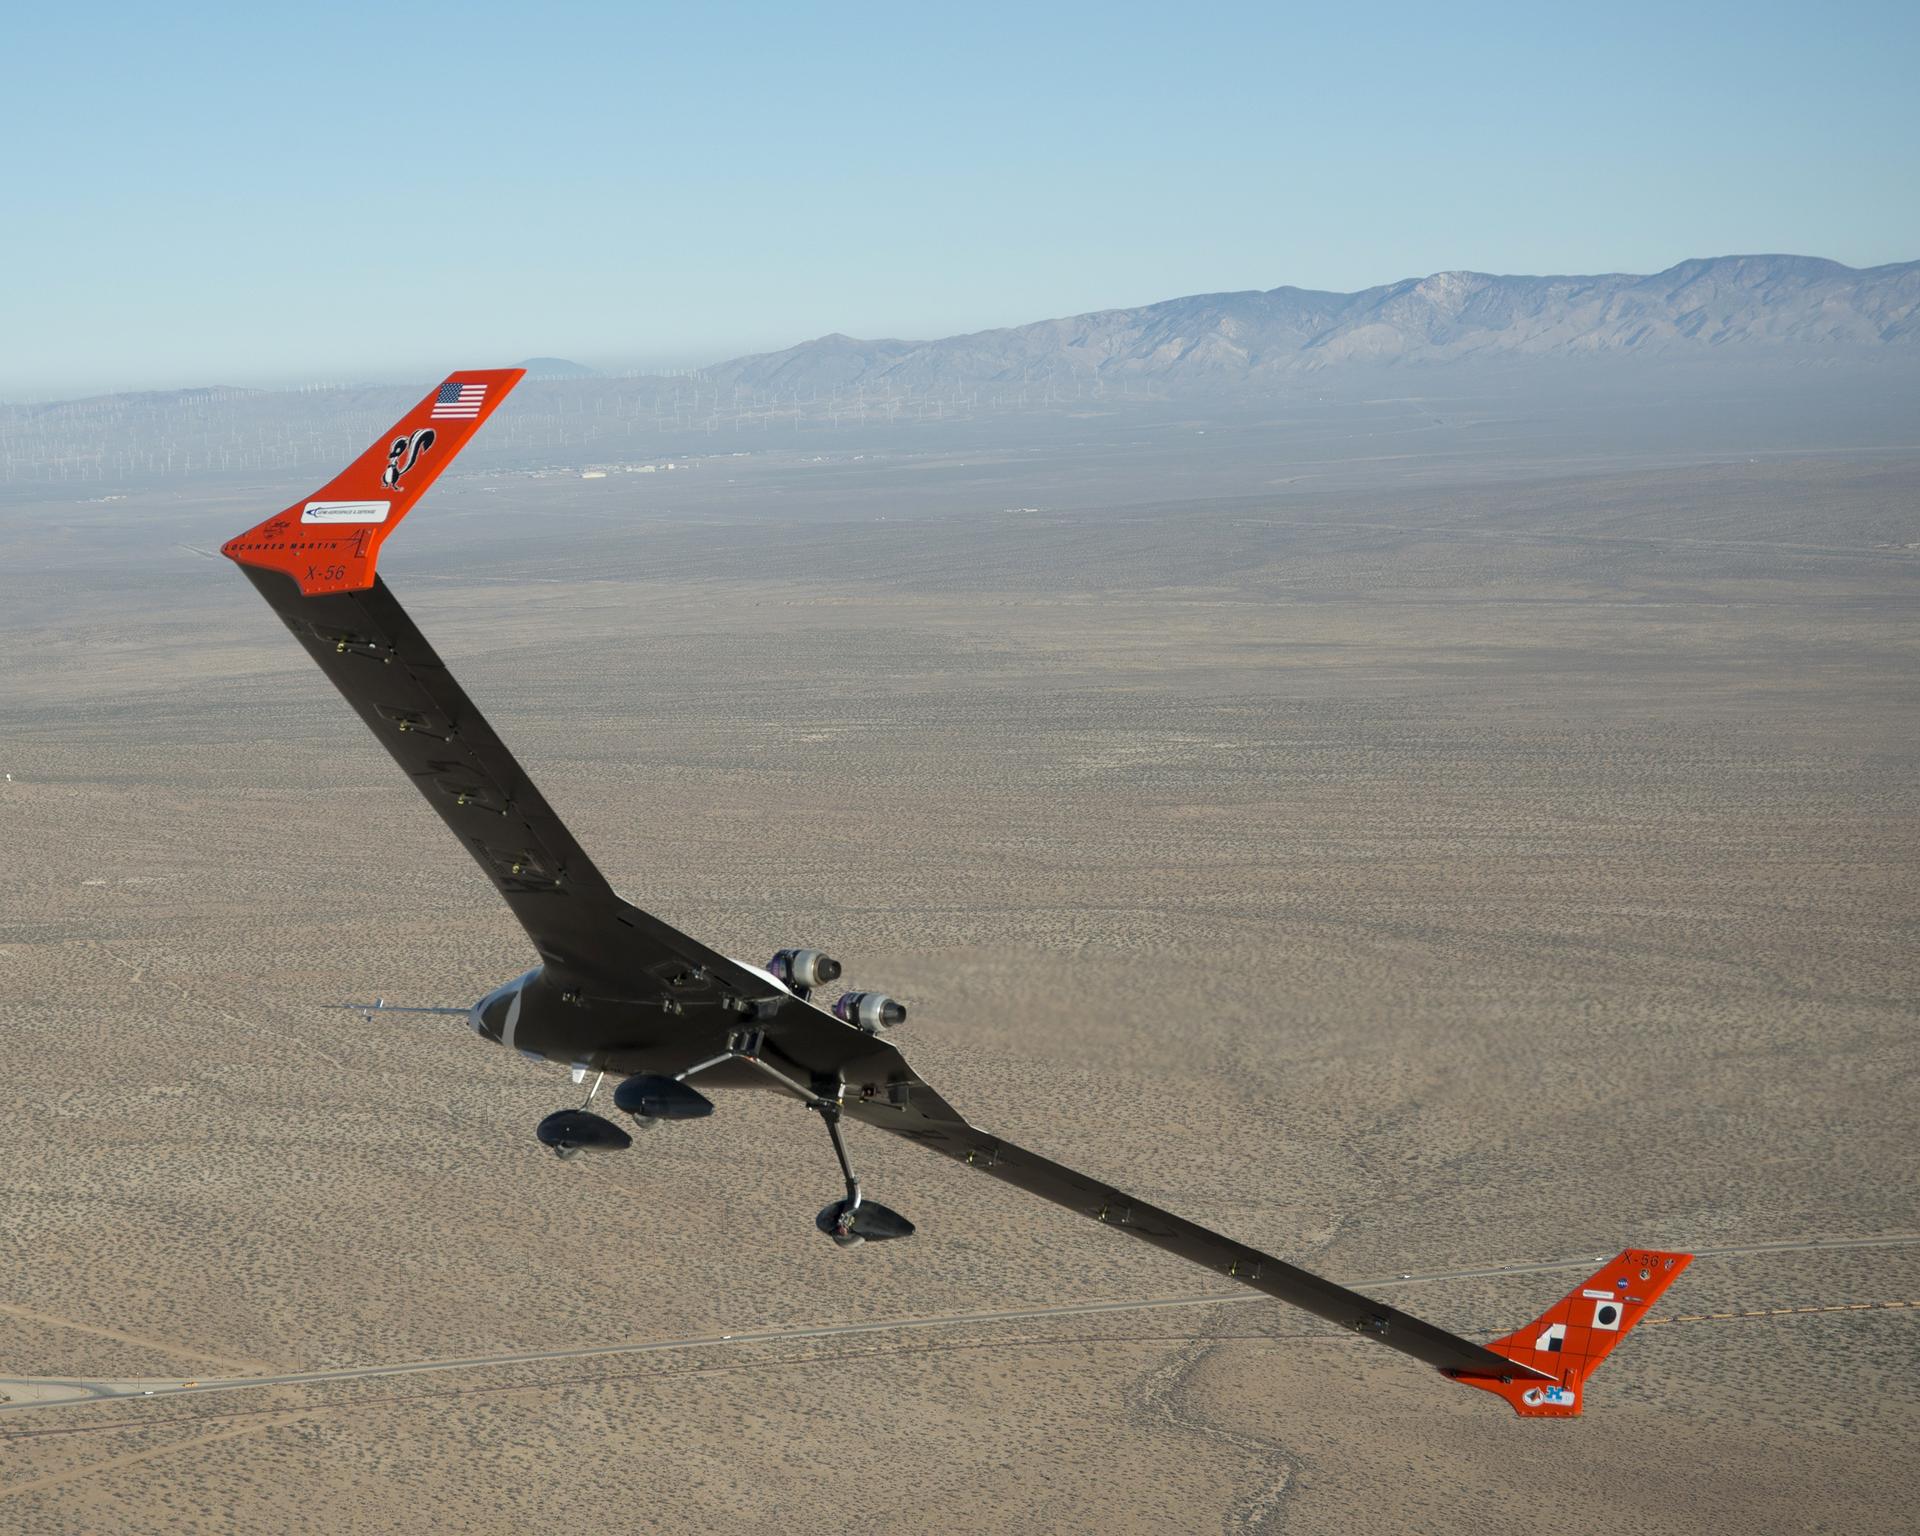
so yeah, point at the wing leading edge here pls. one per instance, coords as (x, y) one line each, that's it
(1539, 1370)
(315, 565)
(922, 1116)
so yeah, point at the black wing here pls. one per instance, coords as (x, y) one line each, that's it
(897, 1101)
(381, 663)
(314, 563)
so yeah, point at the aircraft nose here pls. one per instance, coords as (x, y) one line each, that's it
(495, 1015)
(487, 1016)
(498, 1014)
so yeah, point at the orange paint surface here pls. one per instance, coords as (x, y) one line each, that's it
(1568, 1341)
(330, 541)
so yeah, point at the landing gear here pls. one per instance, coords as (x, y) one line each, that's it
(569, 1132)
(856, 1219)
(650, 1098)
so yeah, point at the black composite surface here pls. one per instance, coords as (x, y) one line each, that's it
(621, 987)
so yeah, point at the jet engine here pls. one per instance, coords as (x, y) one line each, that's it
(804, 969)
(871, 1011)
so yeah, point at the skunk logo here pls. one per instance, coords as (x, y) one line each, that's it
(403, 455)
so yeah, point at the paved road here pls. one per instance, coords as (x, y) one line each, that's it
(79, 1391)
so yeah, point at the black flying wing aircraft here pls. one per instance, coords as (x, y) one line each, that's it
(620, 991)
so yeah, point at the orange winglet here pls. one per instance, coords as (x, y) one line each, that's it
(330, 541)
(1567, 1342)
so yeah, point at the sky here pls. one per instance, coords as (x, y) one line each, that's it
(247, 194)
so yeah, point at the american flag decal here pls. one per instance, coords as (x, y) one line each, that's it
(458, 401)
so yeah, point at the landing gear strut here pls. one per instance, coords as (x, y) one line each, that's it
(650, 1098)
(850, 1221)
(856, 1219)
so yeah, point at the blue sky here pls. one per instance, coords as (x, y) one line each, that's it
(254, 193)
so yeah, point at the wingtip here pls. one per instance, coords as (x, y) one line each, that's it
(1528, 1394)
(330, 542)
(1556, 1354)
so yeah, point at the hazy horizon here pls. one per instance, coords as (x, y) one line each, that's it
(243, 196)
(616, 363)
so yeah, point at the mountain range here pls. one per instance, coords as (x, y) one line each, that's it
(1779, 305)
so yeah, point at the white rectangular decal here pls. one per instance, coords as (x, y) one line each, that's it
(346, 511)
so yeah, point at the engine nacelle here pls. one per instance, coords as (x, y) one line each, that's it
(871, 1011)
(803, 969)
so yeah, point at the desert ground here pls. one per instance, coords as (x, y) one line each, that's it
(1439, 839)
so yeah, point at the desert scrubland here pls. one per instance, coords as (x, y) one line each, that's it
(1413, 835)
